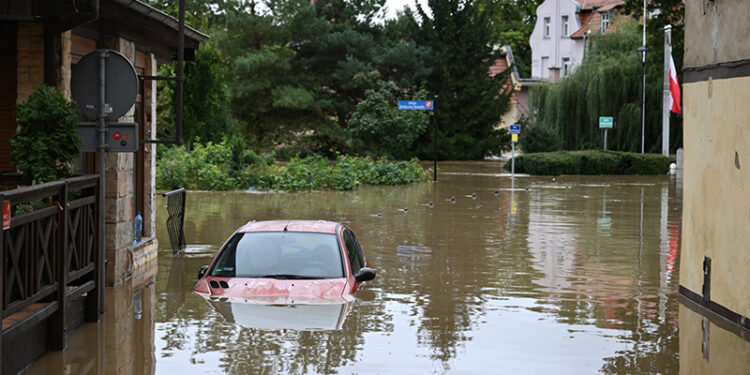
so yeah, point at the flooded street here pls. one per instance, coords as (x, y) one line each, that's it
(565, 275)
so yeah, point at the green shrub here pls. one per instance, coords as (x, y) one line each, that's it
(229, 166)
(590, 162)
(539, 137)
(47, 142)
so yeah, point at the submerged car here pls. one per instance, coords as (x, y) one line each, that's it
(287, 262)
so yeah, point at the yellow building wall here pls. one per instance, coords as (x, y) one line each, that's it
(726, 352)
(716, 206)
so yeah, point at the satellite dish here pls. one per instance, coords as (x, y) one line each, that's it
(121, 85)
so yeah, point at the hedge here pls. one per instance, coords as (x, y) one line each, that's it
(590, 162)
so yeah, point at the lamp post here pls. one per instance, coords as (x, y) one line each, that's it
(642, 49)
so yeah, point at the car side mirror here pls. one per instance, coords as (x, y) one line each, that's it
(364, 274)
(202, 272)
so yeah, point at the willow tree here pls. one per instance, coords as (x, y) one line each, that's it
(607, 83)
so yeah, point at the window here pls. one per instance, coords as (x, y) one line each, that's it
(546, 27)
(280, 255)
(545, 67)
(606, 21)
(565, 26)
(566, 66)
(353, 251)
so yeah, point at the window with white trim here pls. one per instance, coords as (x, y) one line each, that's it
(546, 27)
(566, 66)
(606, 21)
(565, 27)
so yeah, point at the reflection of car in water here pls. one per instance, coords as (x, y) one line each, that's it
(259, 314)
(287, 262)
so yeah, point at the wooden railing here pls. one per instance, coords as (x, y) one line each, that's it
(49, 252)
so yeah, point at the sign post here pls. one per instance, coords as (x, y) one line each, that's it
(515, 130)
(424, 105)
(606, 123)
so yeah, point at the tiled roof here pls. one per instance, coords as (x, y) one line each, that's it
(596, 4)
(591, 18)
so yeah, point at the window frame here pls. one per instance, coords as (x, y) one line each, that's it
(565, 21)
(547, 26)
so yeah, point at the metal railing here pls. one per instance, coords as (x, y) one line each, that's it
(50, 250)
(176, 219)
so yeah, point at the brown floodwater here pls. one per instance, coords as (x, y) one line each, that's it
(532, 275)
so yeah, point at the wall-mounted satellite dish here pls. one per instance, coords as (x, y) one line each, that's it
(121, 83)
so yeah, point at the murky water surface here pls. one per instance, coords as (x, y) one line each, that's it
(540, 275)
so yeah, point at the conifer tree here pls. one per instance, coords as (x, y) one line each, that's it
(469, 101)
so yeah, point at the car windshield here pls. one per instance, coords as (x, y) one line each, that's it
(280, 255)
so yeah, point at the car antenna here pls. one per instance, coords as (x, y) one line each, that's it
(287, 224)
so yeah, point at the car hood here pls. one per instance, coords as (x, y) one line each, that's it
(273, 291)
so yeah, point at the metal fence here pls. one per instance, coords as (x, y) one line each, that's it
(176, 219)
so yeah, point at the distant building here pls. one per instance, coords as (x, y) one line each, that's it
(519, 102)
(561, 31)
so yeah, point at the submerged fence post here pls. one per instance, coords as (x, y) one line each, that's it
(176, 219)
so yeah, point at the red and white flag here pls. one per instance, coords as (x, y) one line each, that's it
(674, 88)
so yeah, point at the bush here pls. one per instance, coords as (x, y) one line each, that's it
(538, 137)
(47, 142)
(229, 166)
(590, 162)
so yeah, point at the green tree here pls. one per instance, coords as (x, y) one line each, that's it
(607, 83)
(670, 12)
(47, 141)
(470, 102)
(514, 23)
(379, 129)
(206, 113)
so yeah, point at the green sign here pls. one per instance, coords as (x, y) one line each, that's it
(606, 122)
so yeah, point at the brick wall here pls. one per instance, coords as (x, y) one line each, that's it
(30, 58)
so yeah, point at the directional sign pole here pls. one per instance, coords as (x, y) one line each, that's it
(605, 139)
(513, 159)
(102, 148)
(434, 142)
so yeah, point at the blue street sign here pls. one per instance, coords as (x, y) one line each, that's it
(515, 129)
(418, 105)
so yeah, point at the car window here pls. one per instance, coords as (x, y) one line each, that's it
(353, 251)
(280, 255)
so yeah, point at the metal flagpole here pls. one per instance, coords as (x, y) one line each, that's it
(643, 88)
(665, 107)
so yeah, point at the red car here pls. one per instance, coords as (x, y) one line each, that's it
(287, 261)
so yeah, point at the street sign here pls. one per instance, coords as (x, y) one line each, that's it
(6, 215)
(515, 129)
(415, 105)
(606, 122)
(121, 136)
(514, 137)
(121, 87)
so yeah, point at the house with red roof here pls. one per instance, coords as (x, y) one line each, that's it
(561, 33)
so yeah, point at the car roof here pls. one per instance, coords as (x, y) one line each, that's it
(311, 226)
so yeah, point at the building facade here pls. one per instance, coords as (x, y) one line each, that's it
(715, 256)
(561, 32)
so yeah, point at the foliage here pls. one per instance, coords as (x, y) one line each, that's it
(379, 129)
(469, 100)
(206, 111)
(514, 23)
(670, 12)
(538, 137)
(607, 83)
(590, 162)
(212, 166)
(228, 165)
(47, 141)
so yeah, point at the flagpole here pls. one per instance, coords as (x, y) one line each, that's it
(666, 107)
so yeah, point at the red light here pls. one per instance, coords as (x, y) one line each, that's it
(116, 136)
